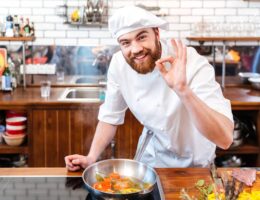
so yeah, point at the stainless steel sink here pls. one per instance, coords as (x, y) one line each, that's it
(87, 80)
(88, 94)
(96, 80)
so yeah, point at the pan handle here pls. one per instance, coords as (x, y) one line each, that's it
(142, 148)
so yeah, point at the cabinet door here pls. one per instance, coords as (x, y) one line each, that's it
(57, 133)
(127, 137)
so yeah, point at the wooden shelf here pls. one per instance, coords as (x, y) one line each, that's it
(243, 149)
(18, 39)
(221, 39)
(6, 149)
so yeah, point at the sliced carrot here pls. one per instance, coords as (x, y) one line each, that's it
(114, 175)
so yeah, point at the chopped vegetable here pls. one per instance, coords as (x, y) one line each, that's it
(204, 189)
(114, 183)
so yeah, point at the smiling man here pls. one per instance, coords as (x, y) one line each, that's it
(169, 88)
(141, 58)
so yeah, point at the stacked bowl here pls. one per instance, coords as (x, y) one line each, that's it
(15, 128)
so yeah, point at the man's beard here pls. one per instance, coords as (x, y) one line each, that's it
(149, 64)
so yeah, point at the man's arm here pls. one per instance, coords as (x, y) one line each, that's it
(103, 136)
(213, 125)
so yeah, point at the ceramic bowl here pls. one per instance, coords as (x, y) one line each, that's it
(16, 121)
(245, 76)
(255, 82)
(14, 140)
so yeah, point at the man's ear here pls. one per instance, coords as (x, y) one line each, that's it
(157, 33)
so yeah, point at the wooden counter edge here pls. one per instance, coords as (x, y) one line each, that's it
(54, 171)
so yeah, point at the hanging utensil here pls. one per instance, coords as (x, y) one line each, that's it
(142, 148)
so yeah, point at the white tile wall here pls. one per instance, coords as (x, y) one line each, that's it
(183, 16)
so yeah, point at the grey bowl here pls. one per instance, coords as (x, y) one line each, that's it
(244, 76)
(255, 82)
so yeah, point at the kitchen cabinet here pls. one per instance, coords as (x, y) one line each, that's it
(9, 154)
(57, 132)
(57, 128)
(245, 104)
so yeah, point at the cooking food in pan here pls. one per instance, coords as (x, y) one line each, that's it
(114, 183)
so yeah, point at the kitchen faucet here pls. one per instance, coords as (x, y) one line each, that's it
(102, 60)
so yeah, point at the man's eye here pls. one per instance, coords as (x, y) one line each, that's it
(124, 43)
(142, 37)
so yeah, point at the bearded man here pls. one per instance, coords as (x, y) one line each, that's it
(169, 88)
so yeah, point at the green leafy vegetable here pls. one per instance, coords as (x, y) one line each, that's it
(204, 189)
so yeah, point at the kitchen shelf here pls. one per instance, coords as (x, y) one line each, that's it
(23, 40)
(222, 39)
(18, 39)
(245, 149)
(89, 15)
(6, 149)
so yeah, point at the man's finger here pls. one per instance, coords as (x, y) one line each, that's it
(180, 49)
(161, 68)
(184, 56)
(175, 48)
(76, 161)
(169, 59)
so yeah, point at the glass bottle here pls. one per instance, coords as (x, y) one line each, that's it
(27, 28)
(16, 26)
(6, 79)
(9, 26)
(11, 67)
(32, 33)
(21, 31)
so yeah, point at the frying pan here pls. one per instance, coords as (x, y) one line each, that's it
(124, 167)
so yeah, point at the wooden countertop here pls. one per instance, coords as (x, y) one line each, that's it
(172, 179)
(240, 96)
(31, 96)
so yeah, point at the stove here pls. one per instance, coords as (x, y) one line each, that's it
(54, 188)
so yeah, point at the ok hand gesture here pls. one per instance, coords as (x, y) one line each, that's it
(175, 77)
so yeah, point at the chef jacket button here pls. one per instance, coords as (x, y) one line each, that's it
(138, 99)
(168, 147)
(158, 105)
(162, 129)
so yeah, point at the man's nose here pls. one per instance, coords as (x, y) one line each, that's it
(136, 48)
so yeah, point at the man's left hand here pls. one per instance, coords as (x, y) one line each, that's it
(175, 77)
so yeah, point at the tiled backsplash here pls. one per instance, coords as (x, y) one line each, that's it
(219, 17)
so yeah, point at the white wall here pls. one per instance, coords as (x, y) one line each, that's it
(237, 17)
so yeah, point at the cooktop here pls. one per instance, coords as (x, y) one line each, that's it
(53, 188)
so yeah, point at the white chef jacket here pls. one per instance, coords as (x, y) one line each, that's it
(176, 141)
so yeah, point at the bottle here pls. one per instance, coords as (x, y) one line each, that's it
(11, 66)
(21, 25)
(16, 26)
(6, 79)
(9, 26)
(32, 33)
(27, 28)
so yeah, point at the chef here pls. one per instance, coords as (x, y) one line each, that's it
(169, 88)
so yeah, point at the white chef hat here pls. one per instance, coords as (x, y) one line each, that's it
(131, 18)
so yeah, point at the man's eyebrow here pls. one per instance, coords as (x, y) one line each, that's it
(123, 40)
(142, 32)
